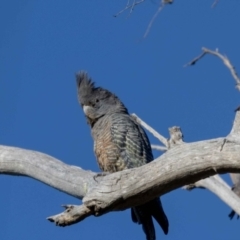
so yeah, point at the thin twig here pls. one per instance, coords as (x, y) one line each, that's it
(162, 5)
(225, 60)
(159, 148)
(129, 6)
(195, 60)
(134, 3)
(151, 130)
(215, 3)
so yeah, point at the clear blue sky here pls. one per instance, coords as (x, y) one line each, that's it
(42, 45)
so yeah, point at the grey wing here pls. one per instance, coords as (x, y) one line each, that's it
(145, 139)
(131, 140)
(135, 150)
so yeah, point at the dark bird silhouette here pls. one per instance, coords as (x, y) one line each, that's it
(236, 189)
(119, 143)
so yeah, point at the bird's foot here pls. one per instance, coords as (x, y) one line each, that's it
(101, 174)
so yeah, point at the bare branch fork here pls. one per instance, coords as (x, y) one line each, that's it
(157, 135)
(181, 165)
(131, 6)
(176, 136)
(225, 60)
(216, 184)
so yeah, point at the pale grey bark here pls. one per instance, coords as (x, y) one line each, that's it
(216, 185)
(236, 190)
(182, 164)
(49, 170)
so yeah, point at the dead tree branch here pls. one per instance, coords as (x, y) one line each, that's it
(176, 136)
(214, 3)
(181, 165)
(225, 60)
(162, 4)
(236, 189)
(130, 6)
(157, 135)
(216, 185)
(73, 214)
(159, 148)
(69, 179)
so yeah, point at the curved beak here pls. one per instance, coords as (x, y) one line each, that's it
(86, 109)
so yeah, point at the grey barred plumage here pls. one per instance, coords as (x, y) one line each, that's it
(119, 143)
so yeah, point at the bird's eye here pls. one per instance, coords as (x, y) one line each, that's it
(97, 100)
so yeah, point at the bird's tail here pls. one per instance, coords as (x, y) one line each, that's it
(159, 214)
(140, 216)
(231, 214)
(143, 215)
